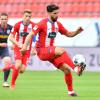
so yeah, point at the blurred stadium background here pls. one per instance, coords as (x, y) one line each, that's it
(73, 13)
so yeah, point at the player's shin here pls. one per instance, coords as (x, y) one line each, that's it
(15, 73)
(6, 75)
(8, 67)
(69, 81)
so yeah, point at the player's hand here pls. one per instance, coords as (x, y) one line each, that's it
(33, 51)
(3, 45)
(79, 30)
(23, 50)
(20, 45)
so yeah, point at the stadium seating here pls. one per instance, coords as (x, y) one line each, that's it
(68, 8)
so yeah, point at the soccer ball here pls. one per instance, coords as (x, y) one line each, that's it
(79, 59)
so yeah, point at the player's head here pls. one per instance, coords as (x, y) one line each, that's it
(53, 11)
(3, 18)
(27, 16)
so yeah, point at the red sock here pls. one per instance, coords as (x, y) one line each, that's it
(15, 73)
(8, 67)
(68, 80)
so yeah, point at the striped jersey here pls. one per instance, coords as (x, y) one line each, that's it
(21, 31)
(47, 32)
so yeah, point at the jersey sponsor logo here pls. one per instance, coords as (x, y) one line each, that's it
(24, 33)
(52, 35)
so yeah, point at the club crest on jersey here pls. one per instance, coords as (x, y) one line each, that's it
(35, 27)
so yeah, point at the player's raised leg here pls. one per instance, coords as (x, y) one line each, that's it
(65, 64)
(63, 57)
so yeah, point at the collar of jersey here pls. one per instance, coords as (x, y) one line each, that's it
(25, 25)
(50, 21)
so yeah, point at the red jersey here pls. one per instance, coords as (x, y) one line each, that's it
(21, 31)
(47, 32)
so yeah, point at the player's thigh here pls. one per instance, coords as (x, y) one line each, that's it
(25, 58)
(18, 63)
(59, 51)
(17, 54)
(61, 60)
(6, 60)
(18, 58)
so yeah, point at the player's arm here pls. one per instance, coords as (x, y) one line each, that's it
(27, 41)
(67, 33)
(12, 36)
(36, 29)
(12, 39)
(74, 33)
(33, 51)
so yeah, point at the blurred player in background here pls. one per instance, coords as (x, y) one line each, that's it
(5, 30)
(17, 37)
(47, 30)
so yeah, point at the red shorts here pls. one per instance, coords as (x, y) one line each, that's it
(48, 54)
(18, 56)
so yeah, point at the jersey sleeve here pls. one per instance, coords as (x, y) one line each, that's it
(62, 30)
(14, 29)
(37, 28)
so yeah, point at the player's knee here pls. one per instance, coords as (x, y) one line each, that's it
(59, 51)
(18, 65)
(21, 71)
(65, 69)
(7, 60)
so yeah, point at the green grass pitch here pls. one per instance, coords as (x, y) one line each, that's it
(50, 85)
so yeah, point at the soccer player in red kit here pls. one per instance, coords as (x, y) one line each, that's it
(47, 30)
(17, 37)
